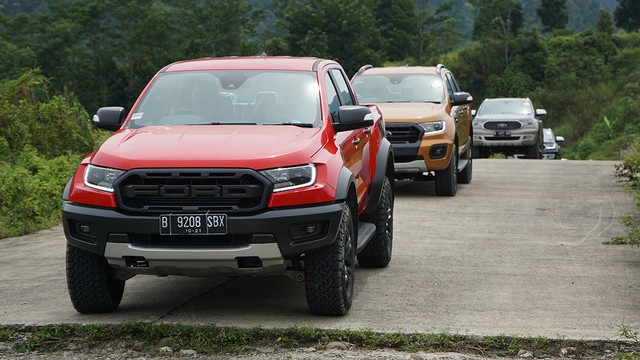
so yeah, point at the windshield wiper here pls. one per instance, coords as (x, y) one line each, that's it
(304, 125)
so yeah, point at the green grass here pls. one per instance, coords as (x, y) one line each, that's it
(146, 337)
(497, 156)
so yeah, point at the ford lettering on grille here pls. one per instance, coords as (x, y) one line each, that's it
(191, 191)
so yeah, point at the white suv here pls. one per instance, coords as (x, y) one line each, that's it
(508, 126)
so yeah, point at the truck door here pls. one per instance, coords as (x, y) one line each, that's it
(353, 144)
(461, 114)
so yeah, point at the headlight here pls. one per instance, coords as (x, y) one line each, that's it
(101, 178)
(477, 124)
(292, 177)
(436, 126)
(526, 123)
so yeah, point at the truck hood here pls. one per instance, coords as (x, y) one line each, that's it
(411, 112)
(194, 146)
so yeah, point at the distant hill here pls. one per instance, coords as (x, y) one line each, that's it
(582, 13)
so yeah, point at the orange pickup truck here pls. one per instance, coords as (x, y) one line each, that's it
(428, 121)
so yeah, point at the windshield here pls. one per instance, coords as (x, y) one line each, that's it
(505, 106)
(230, 97)
(398, 88)
(547, 136)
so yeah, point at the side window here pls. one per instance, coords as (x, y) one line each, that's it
(451, 86)
(332, 97)
(341, 83)
(454, 83)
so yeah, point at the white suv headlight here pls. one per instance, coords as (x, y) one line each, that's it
(291, 177)
(433, 127)
(101, 178)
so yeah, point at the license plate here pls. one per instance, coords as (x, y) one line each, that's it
(193, 224)
(502, 133)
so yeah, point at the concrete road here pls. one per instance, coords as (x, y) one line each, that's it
(517, 252)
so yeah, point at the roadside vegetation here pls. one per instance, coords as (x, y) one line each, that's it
(61, 60)
(42, 139)
(146, 339)
(628, 171)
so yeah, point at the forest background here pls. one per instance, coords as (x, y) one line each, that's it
(62, 60)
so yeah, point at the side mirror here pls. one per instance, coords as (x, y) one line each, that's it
(109, 118)
(560, 139)
(473, 113)
(351, 117)
(541, 112)
(461, 98)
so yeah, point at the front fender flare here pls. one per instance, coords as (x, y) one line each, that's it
(67, 189)
(384, 158)
(345, 179)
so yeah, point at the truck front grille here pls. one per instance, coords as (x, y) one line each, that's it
(404, 133)
(503, 125)
(192, 190)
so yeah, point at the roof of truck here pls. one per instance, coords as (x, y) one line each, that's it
(247, 63)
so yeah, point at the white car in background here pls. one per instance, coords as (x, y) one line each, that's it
(551, 144)
(509, 126)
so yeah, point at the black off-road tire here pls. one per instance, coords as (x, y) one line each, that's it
(92, 287)
(329, 272)
(464, 177)
(447, 179)
(377, 252)
(475, 152)
(533, 152)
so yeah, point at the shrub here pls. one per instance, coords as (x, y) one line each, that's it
(31, 191)
(42, 140)
(629, 171)
(53, 125)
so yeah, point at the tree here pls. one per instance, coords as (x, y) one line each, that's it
(15, 61)
(553, 14)
(437, 31)
(336, 29)
(582, 14)
(498, 19)
(627, 15)
(395, 20)
(12, 8)
(604, 22)
(220, 28)
(71, 43)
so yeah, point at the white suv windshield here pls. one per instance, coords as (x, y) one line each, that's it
(398, 88)
(230, 97)
(510, 106)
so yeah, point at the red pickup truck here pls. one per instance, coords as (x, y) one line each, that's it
(233, 166)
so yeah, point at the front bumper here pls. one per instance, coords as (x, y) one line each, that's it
(420, 153)
(550, 154)
(260, 243)
(515, 138)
